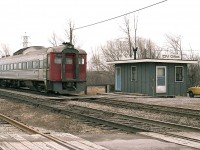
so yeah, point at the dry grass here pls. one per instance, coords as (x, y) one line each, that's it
(44, 119)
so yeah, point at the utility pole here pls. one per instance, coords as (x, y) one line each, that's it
(25, 40)
(70, 35)
(135, 28)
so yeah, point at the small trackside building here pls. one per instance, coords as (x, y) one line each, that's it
(152, 77)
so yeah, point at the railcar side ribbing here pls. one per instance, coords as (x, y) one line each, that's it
(60, 69)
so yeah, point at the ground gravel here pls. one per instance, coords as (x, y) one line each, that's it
(50, 121)
(44, 120)
(143, 114)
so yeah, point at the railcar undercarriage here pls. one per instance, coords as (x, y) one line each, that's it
(50, 87)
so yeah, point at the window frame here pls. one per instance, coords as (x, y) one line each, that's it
(68, 61)
(182, 78)
(81, 61)
(135, 77)
(20, 66)
(35, 64)
(57, 59)
(24, 65)
(41, 64)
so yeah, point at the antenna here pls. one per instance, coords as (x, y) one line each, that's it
(25, 40)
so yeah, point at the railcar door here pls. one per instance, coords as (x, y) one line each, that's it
(70, 65)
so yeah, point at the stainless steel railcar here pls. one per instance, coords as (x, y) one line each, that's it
(59, 69)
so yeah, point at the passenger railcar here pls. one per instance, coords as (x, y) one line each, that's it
(60, 69)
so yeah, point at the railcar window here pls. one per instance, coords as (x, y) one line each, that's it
(45, 63)
(20, 65)
(48, 61)
(8, 67)
(24, 65)
(11, 66)
(69, 61)
(58, 59)
(27, 65)
(81, 61)
(35, 64)
(4, 67)
(15, 66)
(30, 65)
(41, 64)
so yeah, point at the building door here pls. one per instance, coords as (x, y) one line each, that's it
(161, 79)
(118, 79)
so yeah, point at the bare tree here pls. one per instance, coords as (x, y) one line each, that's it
(99, 72)
(193, 69)
(69, 32)
(174, 43)
(127, 30)
(54, 39)
(98, 62)
(147, 48)
(69, 35)
(5, 50)
(115, 50)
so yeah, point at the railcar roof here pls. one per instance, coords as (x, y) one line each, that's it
(43, 50)
(61, 47)
(29, 49)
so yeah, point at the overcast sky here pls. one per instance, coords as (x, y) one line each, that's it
(40, 18)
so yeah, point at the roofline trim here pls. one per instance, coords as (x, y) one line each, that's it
(153, 60)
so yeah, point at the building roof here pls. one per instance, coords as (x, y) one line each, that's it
(131, 60)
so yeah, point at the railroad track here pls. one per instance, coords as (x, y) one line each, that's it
(108, 119)
(15, 127)
(186, 112)
(7, 127)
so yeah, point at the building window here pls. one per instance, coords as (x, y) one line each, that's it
(179, 73)
(133, 73)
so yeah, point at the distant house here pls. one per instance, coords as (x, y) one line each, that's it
(153, 77)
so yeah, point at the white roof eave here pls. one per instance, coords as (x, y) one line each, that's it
(153, 60)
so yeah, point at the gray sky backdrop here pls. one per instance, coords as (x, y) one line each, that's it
(40, 18)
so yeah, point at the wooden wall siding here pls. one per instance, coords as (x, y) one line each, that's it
(146, 79)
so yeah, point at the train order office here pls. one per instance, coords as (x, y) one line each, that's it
(153, 77)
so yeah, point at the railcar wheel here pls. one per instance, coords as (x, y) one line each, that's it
(191, 94)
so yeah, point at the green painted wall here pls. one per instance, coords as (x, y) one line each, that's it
(146, 79)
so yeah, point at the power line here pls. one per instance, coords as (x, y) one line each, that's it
(120, 15)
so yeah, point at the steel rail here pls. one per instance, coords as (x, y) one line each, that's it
(63, 110)
(141, 106)
(30, 130)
